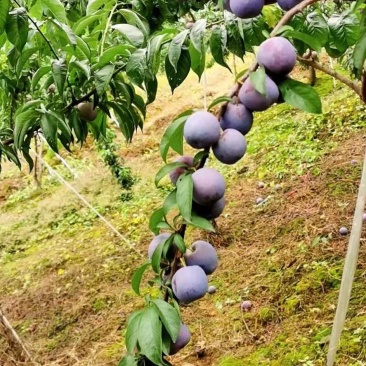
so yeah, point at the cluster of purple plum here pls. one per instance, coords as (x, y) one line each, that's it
(189, 283)
(251, 8)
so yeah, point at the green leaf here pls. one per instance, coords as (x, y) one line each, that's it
(175, 49)
(4, 10)
(359, 55)
(132, 332)
(176, 78)
(157, 256)
(198, 60)
(56, 8)
(154, 52)
(197, 34)
(131, 33)
(23, 59)
(309, 40)
(42, 71)
(59, 71)
(94, 5)
(170, 202)
(219, 100)
(173, 136)
(111, 53)
(218, 43)
(179, 243)
(134, 19)
(199, 156)
(103, 78)
(258, 79)
(166, 169)
(185, 195)
(301, 96)
(128, 361)
(201, 223)
(49, 126)
(80, 26)
(149, 337)
(169, 317)
(137, 277)
(67, 31)
(23, 123)
(136, 67)
(17, 27)
(156, 217)
(316, 26)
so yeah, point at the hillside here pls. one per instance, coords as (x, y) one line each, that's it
(65, 276)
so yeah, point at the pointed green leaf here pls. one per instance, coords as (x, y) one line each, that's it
(185, 195)
(166, 169)
(59, 71)
(175, 49)
(56, 8)
(49, 126)
(132, 332)
(4, 10)
(149, 337)
(137, 277)
(301, 96)
(103, 78)
(169, 317)
(17, 27)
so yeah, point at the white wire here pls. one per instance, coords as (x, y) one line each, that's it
(83, 199)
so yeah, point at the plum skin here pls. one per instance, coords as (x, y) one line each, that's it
(277, 55)
(189, 284)
(177, 172)
(255, 101)
(208, 186)
(246, 8)
(288, 4)
(231, 147)
(155, 242)
(203, 255)
(237, 117)
(87, 112)
(201, 130)
(183, 339)
(210, 212)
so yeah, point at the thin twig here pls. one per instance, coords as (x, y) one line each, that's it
(351, 84)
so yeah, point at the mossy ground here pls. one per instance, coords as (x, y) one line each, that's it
(64, 276)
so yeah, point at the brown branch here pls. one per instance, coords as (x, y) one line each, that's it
(7, 142)
(316, 65)
(285, 19)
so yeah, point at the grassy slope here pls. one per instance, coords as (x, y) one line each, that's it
(64, 277)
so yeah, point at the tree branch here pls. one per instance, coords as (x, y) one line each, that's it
(316, 65)
(285, 19)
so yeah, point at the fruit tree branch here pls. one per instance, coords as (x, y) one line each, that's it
(351, 84)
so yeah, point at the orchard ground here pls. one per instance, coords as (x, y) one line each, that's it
(64, 276)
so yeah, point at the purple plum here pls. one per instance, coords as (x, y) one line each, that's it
(343, 231)
(288, 4)
(210, 212)
(189, 284)
(177, 172)
(155, 242)
(246, 8)
(231, 147)
(246, 306)
(201, 130)
(277, 55)
(255, 101)
(211, 290)
(208, 186)
(203, 255)
(237, 117)
(183, 339)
